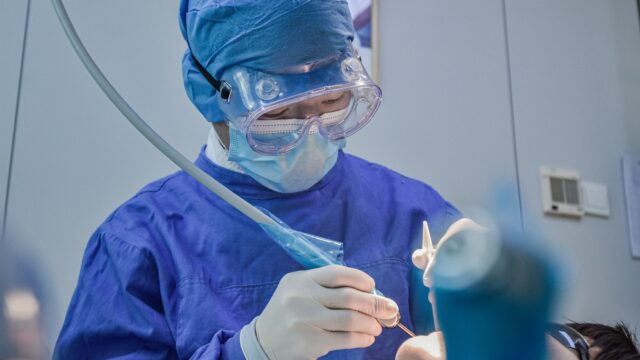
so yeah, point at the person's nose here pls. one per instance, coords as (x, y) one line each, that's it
(310, 108)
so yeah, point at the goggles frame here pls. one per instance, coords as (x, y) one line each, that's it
(246, 94)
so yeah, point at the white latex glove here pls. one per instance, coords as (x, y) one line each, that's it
(425, 258)
(317, 311)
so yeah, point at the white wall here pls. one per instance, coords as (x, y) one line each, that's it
(575, 67)
(12, 28)
(627, 48)
(446, 119)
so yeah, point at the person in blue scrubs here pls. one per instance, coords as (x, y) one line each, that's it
(177, 273)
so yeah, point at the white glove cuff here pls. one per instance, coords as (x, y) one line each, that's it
(249, 342)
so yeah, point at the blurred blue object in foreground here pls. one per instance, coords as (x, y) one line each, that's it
(495, 291)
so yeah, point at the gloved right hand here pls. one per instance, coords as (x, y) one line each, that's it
(316, 311)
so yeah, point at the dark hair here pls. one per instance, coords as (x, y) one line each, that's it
(616, 342)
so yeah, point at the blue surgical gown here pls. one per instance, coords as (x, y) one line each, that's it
(175, 272)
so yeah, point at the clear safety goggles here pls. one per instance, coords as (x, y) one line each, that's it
(276, 110)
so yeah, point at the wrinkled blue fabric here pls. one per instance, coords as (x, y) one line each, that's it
(175, 272)
(259, 34)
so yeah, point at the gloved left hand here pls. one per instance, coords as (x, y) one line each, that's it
(425, 257)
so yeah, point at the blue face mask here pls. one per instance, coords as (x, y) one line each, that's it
(294, 171)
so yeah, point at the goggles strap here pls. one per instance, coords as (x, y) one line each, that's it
(222, 87)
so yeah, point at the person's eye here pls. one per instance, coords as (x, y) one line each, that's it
(336, 100)
(274, 114)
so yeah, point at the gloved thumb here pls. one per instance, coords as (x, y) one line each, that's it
(420, 258)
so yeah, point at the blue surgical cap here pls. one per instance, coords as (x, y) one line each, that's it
(258, 34)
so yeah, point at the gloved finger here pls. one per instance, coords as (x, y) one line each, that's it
(336, 276)
(349, 340)
(348, 321)
(419, 259)
(352, 299)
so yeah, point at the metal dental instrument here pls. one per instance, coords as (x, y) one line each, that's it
(310, 251)
(404, 328)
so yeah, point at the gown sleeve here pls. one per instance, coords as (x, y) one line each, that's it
(117, 310)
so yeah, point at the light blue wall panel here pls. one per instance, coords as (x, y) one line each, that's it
(627, 30)
(12, 25)
(572, 109)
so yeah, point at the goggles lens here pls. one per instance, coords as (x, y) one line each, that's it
(336, 115)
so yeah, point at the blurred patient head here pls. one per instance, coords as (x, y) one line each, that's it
(604, 343)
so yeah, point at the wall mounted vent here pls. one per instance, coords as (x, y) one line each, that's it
(561, 193)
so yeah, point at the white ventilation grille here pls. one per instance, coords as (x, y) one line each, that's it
(561, 192)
